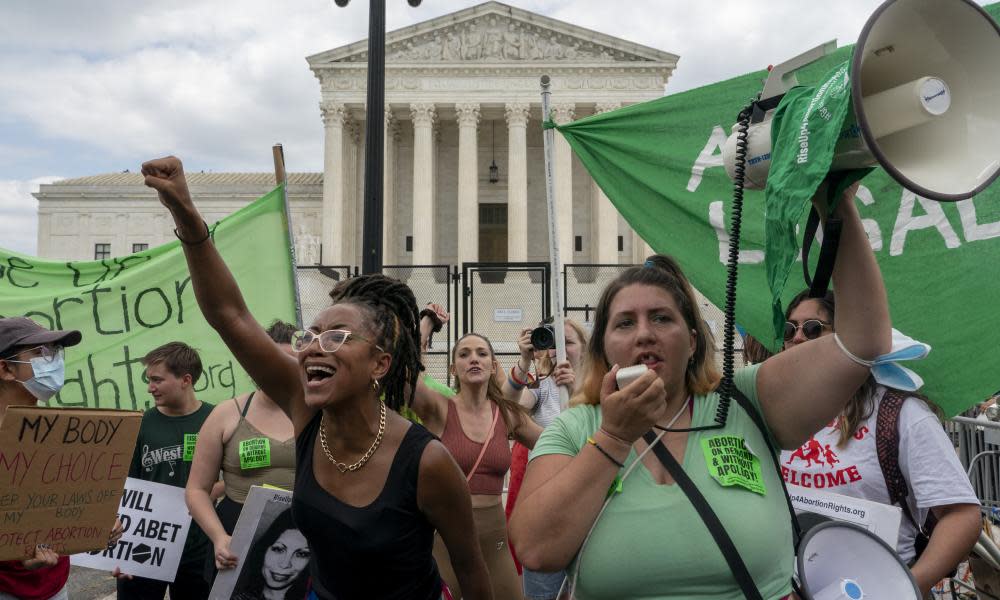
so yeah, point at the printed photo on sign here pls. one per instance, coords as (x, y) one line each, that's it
(273, 556)
(155, 522)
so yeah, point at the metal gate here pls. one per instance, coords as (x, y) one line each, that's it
(500, 299)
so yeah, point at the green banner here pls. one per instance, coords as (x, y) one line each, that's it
(660, 163)
(127, 306)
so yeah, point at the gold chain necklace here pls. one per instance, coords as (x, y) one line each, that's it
(342, 467)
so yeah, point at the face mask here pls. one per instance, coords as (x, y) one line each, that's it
(49, 376)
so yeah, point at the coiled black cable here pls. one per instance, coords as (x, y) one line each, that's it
(726, 386)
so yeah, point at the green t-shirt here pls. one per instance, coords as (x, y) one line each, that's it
(163, 453)
(651, 544)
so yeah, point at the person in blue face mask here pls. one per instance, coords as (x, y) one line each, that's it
(32, 371)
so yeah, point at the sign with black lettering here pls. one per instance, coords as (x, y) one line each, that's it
(272, 554)
(61, 477)
(155, 522)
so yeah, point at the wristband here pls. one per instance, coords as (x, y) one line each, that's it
(517, 386)
(208, 234)
(614, 437)
(593, 443)
(434, 319)
(514, 379)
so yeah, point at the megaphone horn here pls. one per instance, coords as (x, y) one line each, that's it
(925, 97)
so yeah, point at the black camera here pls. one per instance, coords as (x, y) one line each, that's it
(543, 337)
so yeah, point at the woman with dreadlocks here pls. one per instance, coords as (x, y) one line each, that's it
(371, 487)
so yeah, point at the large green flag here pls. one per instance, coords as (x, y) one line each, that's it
(127, 306)
(660, 163)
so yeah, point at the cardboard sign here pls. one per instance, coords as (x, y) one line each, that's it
(879, 519)
(61, 477)
(155, 522)
(272, 552)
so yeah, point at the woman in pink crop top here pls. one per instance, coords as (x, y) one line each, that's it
(476, 426)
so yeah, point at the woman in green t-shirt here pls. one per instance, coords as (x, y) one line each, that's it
(650, 542)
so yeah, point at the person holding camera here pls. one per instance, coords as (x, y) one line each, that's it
(633, 532)
(475, 426)
(539, 394)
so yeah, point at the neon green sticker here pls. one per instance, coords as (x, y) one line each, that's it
(730, 462)
(255, 453)
(190, 441)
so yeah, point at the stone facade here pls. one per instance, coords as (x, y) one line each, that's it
(462, 92)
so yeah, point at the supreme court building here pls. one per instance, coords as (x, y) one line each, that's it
(464, 172)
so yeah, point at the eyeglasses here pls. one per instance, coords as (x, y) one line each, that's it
(329, 341)
(811, 328)
(47, 352)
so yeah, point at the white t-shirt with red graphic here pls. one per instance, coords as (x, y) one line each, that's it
(927, 460)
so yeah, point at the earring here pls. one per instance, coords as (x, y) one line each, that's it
(376, 386)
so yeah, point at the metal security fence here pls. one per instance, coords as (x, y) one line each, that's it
(501, 299)
(978, 446)
(583, 285)
(431, 284)
(315, 284)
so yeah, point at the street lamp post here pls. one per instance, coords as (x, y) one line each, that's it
(371, 240)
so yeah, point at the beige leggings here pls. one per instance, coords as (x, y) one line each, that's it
(491, 525)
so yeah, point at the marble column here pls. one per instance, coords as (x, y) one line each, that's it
(353, 203)
(640, 249)
(603, 216)
(423, 115)
(468, 182)
(562, 172)
(333, 231)
(389, 230)
(517, 181)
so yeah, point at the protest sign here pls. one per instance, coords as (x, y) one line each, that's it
(660, 164)
(61, 477)
(879, 519)
(126, 306)
(272, 553)
(155, 524)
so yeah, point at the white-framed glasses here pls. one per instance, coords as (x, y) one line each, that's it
(47, 352)
(329, 341)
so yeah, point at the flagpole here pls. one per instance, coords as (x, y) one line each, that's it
(282, 179)
(558, 321)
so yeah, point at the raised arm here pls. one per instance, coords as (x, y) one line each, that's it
(805, 387)
(219, 296)
(515, 391)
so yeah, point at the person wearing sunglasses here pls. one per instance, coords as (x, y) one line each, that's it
(32, 370)
(371, 487)
(940, 521)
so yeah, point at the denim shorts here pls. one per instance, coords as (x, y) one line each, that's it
(542, 586)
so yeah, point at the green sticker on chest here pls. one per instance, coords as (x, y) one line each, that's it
(190, 441)
(255, 453)
(731, 463)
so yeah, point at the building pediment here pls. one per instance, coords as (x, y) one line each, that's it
(494, 32)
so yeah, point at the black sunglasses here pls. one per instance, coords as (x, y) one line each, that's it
(811, 328)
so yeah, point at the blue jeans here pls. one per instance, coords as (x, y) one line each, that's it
(542, 586)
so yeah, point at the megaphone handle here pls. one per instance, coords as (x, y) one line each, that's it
(827, 252)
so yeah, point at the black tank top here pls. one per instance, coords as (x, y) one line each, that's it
(382, 550)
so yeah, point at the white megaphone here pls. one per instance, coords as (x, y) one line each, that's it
(925, 94)
(842, 561)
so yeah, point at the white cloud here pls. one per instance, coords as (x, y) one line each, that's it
(19, 214)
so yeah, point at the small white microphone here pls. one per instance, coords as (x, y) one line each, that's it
(629, 374)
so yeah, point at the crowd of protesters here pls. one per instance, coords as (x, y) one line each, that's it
(398, 482)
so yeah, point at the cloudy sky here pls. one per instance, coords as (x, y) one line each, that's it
(99, 86)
